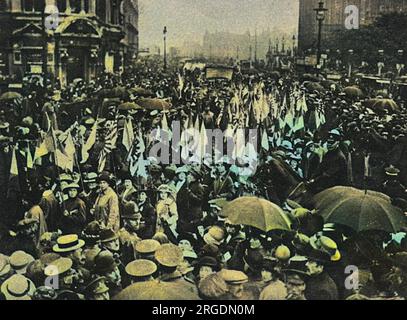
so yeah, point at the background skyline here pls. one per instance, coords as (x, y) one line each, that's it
(188, 20)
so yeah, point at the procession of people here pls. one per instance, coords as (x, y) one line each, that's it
(114, 189)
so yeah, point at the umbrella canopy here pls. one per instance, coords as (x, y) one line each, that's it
(138, 91)
(129, 106)
(158, 290)
(382, 105)
(353, 92)
(314, 86)
(154, 104)
(311, 77)
(10, 96)
(359, 210)
(258, 213)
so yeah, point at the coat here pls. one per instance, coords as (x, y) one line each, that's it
(75, 222)
(189, 205)
(107, 209)
(149, 217)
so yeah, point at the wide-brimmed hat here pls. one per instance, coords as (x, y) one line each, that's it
(20, 260)
(45, 293)
(104, 262)
(207, 261)
(168, 255)
(326, 245)
(147, 246)
(392, 171)
(97, 286)
(68, 243)
(18, 287)
(5, 267)
(141, 268)
(215, 235)
(58, 267)
(71, 186)
(107, 235)
(233, 277)
(91, 177)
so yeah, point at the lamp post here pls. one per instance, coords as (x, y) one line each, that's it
(294, 41)
(400, 63)
(320, 13)
(165, 48)
(380, 64)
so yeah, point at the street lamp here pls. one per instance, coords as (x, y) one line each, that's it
(320, 13)
(294, 41)
(165, 48)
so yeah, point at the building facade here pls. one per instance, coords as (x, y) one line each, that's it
(69, 38)
(369, 10)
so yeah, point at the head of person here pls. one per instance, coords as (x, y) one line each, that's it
(104, 182)
(72, 190)
(142, 196)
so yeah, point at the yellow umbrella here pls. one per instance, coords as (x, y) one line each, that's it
(258, 213)
(159, 290)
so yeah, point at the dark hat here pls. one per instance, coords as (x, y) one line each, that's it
(107, 235)
(254, 259)
(392, 171)
(97, 286)
(45, 293)
(104, 177)
(208, 262)
(104, 262)
(91, 233)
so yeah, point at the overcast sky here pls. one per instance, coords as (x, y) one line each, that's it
(188, 19)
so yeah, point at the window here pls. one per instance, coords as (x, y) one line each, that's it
(3, 5)
(76, 6)
(101, 9)
(17, 57)
(61, 5)
(33, 5)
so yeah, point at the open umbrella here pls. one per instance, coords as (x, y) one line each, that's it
(127, 106)
(358, 209)
(153, 104)
(353, 92)
(314, 86)
(138, 91)
(158, 290)
(10, 96)
(258, 213)
(381, 105)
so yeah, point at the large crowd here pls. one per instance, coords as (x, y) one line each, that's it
(88, 213)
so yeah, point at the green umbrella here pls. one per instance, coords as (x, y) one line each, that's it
(10, 96)
(138, 91)
(153, 104)
(159, 290)
(380, 105)
(314, 86)
(129, 106)
(360, 210)
(353, 92)
(256, 212)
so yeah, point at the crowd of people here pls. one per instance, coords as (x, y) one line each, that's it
(88, 213)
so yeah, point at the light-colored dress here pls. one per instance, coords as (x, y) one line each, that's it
(107, 209)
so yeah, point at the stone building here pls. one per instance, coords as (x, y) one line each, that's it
(71, 38)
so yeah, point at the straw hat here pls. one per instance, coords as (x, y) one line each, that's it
(169, 255)
(58, 267)
(147, 246)
(68, 243)
(20, 260)
(18, 287)
(141, 268)
(233, 277)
